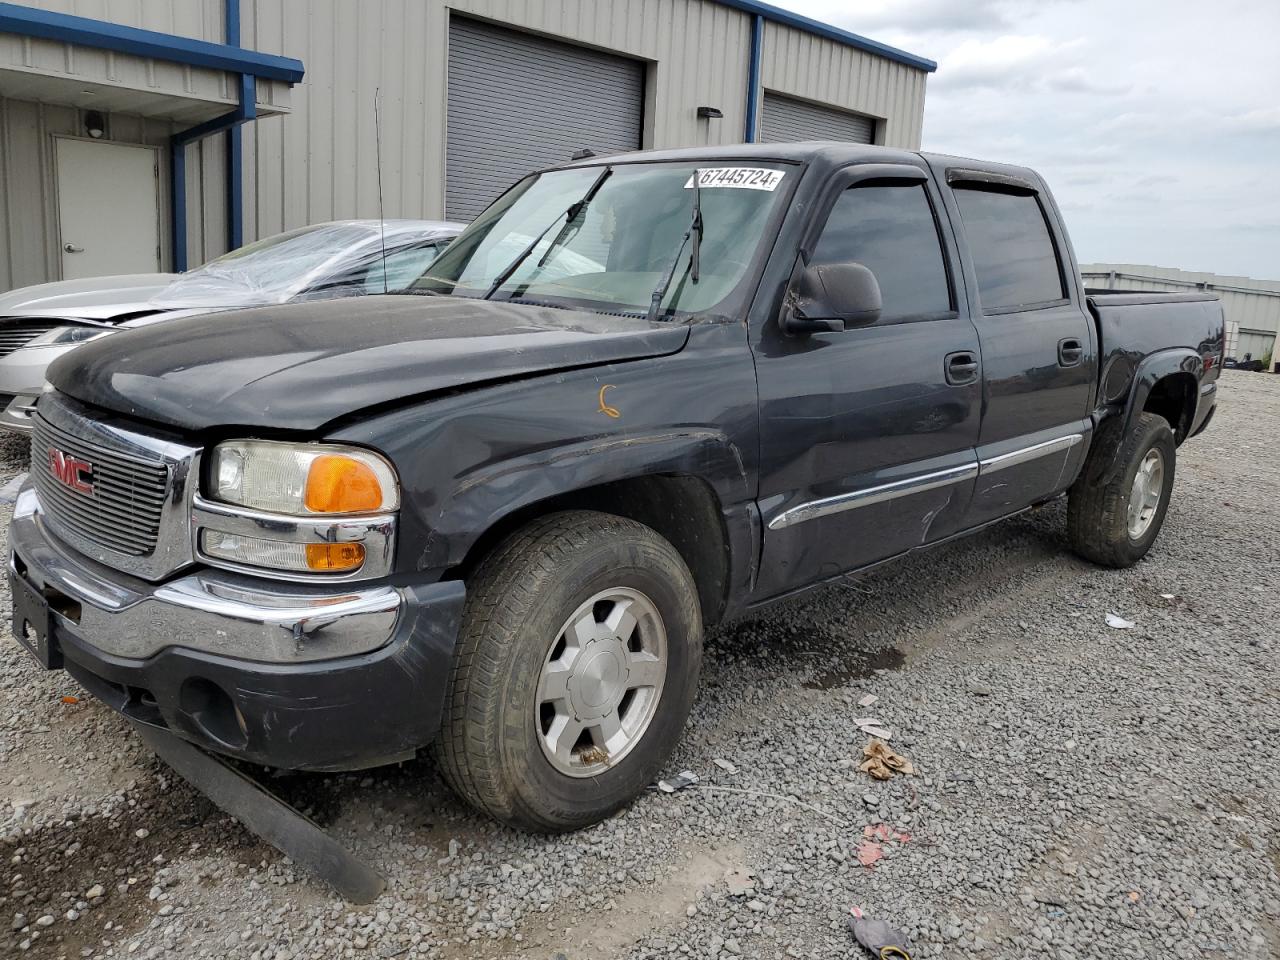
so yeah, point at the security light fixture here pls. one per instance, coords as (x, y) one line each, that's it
(95, 125)
(709, 113)
(582, 154)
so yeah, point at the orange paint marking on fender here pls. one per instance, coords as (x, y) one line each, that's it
(607, 410)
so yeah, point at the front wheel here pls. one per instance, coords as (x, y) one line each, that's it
(1115, 523)
(575, 671)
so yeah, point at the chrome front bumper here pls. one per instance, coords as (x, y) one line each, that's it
(229, 614)
(301, 677)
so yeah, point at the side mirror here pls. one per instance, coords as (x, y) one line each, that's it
(830, 297)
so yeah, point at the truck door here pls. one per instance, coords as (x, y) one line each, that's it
(868, 434)
(1039, 357)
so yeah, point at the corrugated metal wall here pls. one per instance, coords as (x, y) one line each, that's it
(201, 19)
(1251, 307)
(810, 67)
(28, 189)
(319, 163)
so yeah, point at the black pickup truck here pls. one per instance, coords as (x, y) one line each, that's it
(638, 396)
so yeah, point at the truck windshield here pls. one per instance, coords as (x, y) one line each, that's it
(622, 243)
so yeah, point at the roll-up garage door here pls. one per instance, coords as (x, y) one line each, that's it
(785, 120)
(519, 102)
(1257, 343)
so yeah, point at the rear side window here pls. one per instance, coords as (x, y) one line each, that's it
(1012, 249)
(891, 231)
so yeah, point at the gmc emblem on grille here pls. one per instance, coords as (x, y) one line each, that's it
(71, 471)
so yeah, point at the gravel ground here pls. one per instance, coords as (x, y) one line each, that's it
(1081, 791)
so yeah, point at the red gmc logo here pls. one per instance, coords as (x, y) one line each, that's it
(71, 471)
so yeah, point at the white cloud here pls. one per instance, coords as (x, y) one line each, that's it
(1262, 120)
(1155, 121)
(993, 63)
(1079, 79)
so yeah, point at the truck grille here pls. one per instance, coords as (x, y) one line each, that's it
(115, 501)
(18, 333)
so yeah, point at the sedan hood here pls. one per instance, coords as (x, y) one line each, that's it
(94, 298)
(300, 366)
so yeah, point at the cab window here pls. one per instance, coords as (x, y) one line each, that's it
(891, 229)
(1013, 251)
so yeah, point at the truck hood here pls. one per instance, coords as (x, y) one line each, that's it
(94, 298)
(300, 366)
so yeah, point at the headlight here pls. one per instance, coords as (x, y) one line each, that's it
(302, 479)
(308, 508)
(69, 335)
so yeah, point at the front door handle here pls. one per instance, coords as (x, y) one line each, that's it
(961, 368)
(72, 248)
(1070, 352)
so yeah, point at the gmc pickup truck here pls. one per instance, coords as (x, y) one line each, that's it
(640, 395)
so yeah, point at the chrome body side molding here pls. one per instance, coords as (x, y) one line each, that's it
(928, 481)
(1033, 452)
(862, 498)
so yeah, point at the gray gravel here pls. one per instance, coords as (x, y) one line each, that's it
(1082, 791)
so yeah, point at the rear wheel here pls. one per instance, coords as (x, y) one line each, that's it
(1115, 523)
(575, 671)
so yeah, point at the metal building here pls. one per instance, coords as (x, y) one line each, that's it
(242, 118)
(1251, 307)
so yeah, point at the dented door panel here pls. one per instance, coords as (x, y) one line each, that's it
(862, 430)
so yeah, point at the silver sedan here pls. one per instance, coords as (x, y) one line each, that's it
(341, 259)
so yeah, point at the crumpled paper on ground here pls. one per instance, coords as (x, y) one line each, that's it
(882, 763)
(869, 851)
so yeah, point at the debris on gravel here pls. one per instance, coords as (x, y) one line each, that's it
(1080, 791)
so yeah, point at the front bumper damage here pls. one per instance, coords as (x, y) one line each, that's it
(294, 676)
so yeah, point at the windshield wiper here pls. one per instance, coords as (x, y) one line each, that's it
(694, 232)
(571, 217)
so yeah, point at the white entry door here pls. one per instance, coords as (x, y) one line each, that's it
(108, 208)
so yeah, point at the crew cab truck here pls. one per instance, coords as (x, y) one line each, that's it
(637, 396)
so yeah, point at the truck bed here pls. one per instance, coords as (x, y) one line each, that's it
(1134, 324)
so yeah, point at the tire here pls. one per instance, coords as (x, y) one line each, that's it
(1098, 514)
(512, 647)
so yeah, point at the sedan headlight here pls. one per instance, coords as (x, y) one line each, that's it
(317, 508)
(302, 479)
(63, 336)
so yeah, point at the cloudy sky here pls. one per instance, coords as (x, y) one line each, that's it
(1156, 122)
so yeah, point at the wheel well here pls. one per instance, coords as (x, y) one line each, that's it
(1174, 398)
(684, 510)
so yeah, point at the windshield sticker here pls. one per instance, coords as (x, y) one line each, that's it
(737, 178)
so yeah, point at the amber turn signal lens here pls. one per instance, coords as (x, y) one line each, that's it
(337, 484)
(334, 557)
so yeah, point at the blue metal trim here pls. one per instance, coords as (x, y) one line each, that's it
(231, 28)
(235, 140)
(809, 25)
(247, 110)
(235, 188)
(753, 78)
(65, 28)
(178, 203)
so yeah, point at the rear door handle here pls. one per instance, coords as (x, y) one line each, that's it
(961, 368)
(1070, 352)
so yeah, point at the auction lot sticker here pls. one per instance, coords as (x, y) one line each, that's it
(737, 178)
